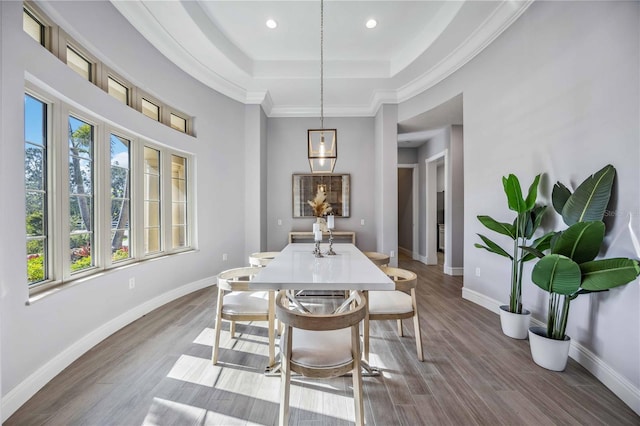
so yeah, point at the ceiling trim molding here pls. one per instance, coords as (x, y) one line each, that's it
(490, 29)
(246, 88)
(152, 30)
(407, 56)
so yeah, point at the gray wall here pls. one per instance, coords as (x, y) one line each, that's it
(557, 93)
(287, 154)
(407, 156)
(40, 339)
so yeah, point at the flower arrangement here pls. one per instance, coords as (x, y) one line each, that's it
(319, 206)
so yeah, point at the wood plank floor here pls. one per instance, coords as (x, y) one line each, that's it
(157, 371)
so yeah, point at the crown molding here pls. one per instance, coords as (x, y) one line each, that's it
(489, 30)
(233, 80)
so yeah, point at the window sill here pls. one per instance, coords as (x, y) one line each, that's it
(53, 287)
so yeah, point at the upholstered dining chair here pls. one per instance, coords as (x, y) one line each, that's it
(320, 346)
(379, 259)
(398, 304)
(262, 258)
(237, 303)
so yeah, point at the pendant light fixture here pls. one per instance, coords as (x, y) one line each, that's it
(322, 143)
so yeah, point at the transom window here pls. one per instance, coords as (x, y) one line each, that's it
(33, 27)
(150, 109)
(78, 63)
(82, 61)
(118, 91)
(178, 123)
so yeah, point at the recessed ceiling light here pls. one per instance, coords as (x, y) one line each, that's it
(271, 23)
(371, 23)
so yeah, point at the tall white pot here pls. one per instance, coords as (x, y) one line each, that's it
(514, 325)
(548, 353)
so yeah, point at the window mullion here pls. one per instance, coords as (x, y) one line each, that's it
(102, 197)
(61, 192)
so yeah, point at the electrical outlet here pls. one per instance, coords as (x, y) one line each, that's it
(279, 222)
(361, 222)
(392, 254)
(477, 272)
(132, 283)
(224, 257)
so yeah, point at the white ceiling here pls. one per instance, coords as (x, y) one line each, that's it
(227, 46)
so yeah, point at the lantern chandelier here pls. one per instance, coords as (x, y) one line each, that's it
(322, 143)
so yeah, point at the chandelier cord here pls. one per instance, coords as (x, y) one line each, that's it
(322, 64)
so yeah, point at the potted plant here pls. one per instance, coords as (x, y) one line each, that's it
(570, 270)
(515, 320)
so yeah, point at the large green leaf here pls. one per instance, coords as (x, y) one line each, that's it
(557, 274)
(513, 191)
(534, 218)
(581, 241)
(538, 246)
(590, 200)
(559, 197)
(492, 247)
(532, 195)
(604, 274)
(499, 227)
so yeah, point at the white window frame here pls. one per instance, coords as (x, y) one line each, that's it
(58, 235)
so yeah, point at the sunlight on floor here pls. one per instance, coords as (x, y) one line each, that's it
(161, 408)
(195, 370)
(206, 337)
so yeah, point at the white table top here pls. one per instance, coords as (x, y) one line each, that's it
(296, 268)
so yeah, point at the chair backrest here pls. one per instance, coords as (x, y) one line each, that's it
(405, 280)
(236, 279)
(286, 313)
(379, 259)
(262, 258)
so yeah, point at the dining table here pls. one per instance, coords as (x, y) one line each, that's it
(298, 268)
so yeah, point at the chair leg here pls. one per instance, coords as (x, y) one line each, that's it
(232, 329)
(285, 375)
(357, 376)
(272, 326)
(365, 334)
(400, 332)
(216, 342)
(365, 328)
(416, 325)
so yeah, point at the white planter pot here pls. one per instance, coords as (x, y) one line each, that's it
(548, 353)
(514, 325)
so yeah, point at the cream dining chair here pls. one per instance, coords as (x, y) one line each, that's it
(262, 258)
(320, 346)
(379, 259)
(395, 305)
(236, 302)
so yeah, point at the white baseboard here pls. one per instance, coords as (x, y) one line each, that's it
(618, 384)
(32, 384)
(458, 272)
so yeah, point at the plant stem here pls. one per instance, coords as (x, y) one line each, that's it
(514, 300)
